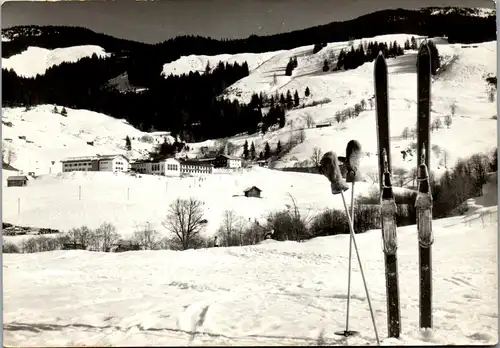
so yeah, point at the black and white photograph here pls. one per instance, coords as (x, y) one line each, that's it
(254, 172)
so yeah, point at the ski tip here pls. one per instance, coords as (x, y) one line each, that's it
(380, 65)
(380, 56)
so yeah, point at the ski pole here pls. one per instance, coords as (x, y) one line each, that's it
(330, 168)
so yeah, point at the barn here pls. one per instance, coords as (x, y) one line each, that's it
(253, 191)
(17, 180)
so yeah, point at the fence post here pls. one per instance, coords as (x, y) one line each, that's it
(80, 193)
(18, 206)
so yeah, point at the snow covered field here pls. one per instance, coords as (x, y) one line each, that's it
(127, 202)
(273, 293)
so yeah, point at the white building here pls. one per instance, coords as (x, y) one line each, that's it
(98, 163)
(172, 167)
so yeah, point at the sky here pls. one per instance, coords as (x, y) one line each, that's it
(156, 21)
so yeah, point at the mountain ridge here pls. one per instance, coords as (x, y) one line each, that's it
(464, 25)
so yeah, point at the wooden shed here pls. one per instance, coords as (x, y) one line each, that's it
(17, 180)
(253, 191)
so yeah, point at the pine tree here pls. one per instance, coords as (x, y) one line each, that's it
(128, 143)
(278, 147)
(245, 150)
(55, 111)
(407, 44)
(267, 151)
(308, 92)
(261, 155)
(282, 119)
(252, 151)
(413, 43)
(296, 99)
(282, 99)
(289, 99)
(207, 68)
(325, 66)
(64, 112)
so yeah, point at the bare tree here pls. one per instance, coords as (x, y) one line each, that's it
(316, 156)
(301, 136)
(185, 220)
(363, 104)
(81, 235)
(448, 120)
(373, 176)
(479, 168)
(406, 133)
(299, 223)
(309, 121)
(147, 237)
(9, 154)
(105, 236)
(453, 108)
(228, 231)
(400, 175)
(491, 95)
(370, 101)
(436, 124)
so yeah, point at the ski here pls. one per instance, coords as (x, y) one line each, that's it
(387, 200)
(423, 201)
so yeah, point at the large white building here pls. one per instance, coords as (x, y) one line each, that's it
(98, 163)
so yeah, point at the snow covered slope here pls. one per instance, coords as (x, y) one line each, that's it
(186, 64)
(274, 293)
(461, 82)
(36, 60)
(40, 136)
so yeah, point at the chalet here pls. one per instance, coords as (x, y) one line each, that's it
(227, 161)
(98, 163)
(253, 191)
(17, 180)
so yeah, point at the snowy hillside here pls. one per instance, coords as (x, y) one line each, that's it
(39, 136)
(461, 82)
(186, 64)
(274, 293)
(36, 60)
